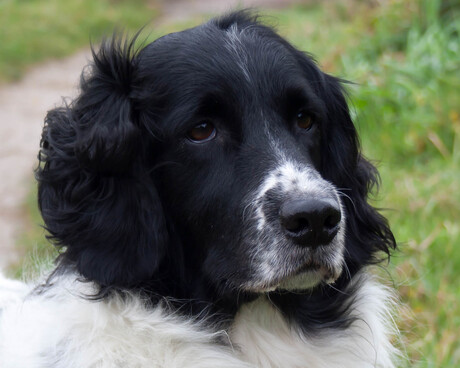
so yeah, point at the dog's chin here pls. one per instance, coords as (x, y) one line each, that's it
(302, 281)
(308, 278)
(305, 278)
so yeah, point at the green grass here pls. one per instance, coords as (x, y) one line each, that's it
(36, 30)
(408, 112)
(405, 58)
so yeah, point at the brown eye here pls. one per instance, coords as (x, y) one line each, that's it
(304, 121)
(202, 132)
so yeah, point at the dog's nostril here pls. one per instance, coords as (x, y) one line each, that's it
(310, 222)
(332, 220)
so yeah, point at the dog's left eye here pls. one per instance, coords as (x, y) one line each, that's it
(202, 132)
(304, 120)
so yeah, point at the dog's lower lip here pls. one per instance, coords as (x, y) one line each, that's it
(308, 267)
(327, 274)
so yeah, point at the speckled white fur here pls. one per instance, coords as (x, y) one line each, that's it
(289, 179)
(235, 46)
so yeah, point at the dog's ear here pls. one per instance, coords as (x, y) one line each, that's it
(368, 232)
(96, 193)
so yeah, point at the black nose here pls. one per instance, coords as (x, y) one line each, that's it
(311, 222)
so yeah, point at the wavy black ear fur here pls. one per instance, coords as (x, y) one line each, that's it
(368, 233)
(96, 195)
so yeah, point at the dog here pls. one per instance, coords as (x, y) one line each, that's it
(209, 198)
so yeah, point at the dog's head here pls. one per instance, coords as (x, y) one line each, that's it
(219, 155)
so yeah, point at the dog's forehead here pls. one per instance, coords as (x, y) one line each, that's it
(207, 55)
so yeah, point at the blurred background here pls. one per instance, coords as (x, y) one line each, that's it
(404, 57)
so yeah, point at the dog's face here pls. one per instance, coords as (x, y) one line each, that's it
(240, 151)
(218, 151)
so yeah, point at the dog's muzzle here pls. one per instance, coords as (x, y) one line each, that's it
(296, 235)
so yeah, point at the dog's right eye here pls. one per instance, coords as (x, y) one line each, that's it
(304, 120)
(201, 133)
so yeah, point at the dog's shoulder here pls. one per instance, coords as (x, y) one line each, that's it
(58, 326)
(11, 291)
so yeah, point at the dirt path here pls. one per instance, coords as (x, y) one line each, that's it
(23, 106)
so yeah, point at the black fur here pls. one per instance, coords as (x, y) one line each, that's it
(134, 204)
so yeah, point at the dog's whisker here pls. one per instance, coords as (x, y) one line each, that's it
(345, 266)
(341, 194)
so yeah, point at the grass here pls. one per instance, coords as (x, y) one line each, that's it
(408, 112)
(36, 30)
(405, 59)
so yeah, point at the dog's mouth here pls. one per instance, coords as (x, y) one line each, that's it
(309, 276)
(305, 277)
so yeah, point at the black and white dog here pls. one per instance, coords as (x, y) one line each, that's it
(210, 200)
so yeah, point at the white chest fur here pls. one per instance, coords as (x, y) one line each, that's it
(267, 340)
(61, 329)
